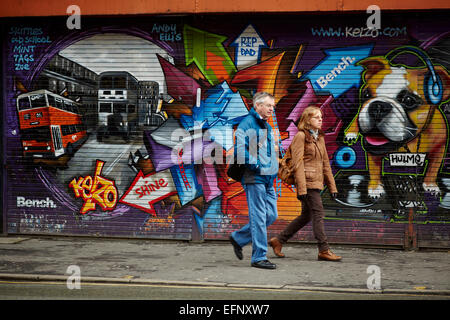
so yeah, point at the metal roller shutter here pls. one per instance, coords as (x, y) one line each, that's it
(143, 111)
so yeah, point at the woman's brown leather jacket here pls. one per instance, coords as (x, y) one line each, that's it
(312, 166)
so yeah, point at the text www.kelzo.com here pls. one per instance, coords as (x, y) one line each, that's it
(358, 32)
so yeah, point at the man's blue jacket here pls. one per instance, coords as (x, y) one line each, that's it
(255, 146)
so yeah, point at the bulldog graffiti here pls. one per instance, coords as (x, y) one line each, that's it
(399, 114)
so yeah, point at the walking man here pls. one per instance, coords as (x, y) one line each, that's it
(255, 146)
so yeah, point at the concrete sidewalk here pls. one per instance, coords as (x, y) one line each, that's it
(214, 264)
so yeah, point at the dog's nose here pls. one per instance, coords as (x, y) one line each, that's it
(379, 109)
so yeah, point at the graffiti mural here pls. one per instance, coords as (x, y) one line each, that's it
(127, 127)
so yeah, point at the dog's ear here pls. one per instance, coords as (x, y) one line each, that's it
(372, 66)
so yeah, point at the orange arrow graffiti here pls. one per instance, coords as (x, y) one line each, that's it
(215, 63)
(264, 73)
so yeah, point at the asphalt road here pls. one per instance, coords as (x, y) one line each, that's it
(15, 290)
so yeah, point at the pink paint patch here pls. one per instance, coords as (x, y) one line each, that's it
(377, 140)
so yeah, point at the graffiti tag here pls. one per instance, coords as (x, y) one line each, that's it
(324, 80)
(35, 203)
(358, 32)
(248, 47)
(343, 61)
(155, 223)
(183, 173)
(407, 159)
(167, 32)
(97, 190)
(148, 189)
(25, 41)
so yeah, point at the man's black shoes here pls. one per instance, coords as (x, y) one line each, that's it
(264, 264)
(237, 249)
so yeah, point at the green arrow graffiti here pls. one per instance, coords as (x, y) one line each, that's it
(207, 52)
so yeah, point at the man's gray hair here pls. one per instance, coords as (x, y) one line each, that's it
(260, 97)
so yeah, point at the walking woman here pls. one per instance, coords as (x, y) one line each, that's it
(312, 170)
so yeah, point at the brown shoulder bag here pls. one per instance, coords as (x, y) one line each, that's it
(286, 168)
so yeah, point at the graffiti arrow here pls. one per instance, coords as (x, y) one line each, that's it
(218, 112)
(149, 189)
(264, 74)
(337, 72)
(179, 85)
(248, 45)
(215, 65)
(207, 52)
